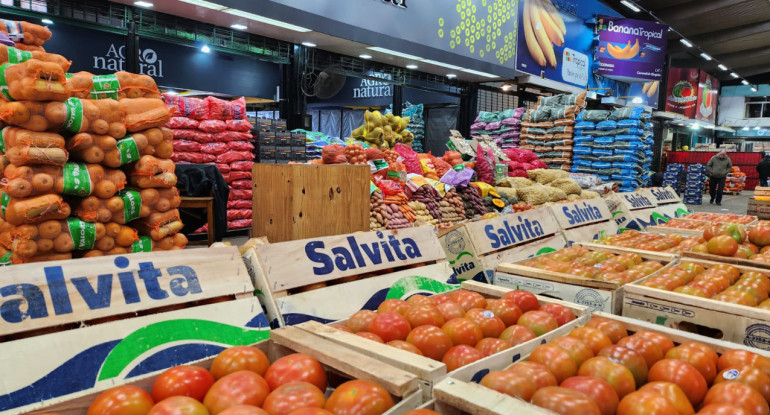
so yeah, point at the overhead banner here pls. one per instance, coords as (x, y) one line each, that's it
(682, 91)
(648, 92)
(631, 50)
(708, 90)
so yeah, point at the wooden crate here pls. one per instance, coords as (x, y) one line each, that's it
(340, 364)
(585, 220)
(474, 249)
(299, 201)
(103, 320)
(726, 260)
(735, 323)
(428, 370)
(675, 231)
(597, 295)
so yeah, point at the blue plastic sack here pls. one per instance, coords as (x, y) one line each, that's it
(584, 125)
(607, 125)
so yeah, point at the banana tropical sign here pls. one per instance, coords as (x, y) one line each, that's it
(631, 50)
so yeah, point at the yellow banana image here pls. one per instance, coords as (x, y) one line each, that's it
(653, 88)
(646, 87)
(529, 36)
(555, 16)
(551, 28)
(634, 50)
(627, 52)
(540, 34)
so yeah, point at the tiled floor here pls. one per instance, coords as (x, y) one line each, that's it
(730, 204)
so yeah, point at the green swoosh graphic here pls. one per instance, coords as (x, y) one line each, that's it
(417, 283)
(657, 218)
(158, 334)
(462, 254)
(616, 213)
(682, 212)
(546, 250)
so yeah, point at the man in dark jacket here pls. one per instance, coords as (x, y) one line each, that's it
(717, 169)
(763, 168)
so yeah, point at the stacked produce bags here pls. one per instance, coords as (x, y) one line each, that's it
(214, 131)
(85, 161)
(548, 129)
(503, 127)
(416, 124)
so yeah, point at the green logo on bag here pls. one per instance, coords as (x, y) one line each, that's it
(105, 87)
(5, 260)
(144, 244)
(128, 150)
(4, 83)
(74, 120)
(2, 140)
(18, 56)
(77, 180)
(83, 234)
(4, 200)
(132, 204)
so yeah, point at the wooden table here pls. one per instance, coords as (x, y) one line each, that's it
(202, 203)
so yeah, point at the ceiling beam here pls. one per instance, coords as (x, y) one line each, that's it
(743, 55)
(734, 33)
(753, 70)
(690, 11)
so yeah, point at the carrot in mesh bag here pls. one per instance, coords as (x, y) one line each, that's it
(74, 115)
(22, 147)
(127, 205)
(35, 209)
(160, 225)
(144, 113)
(106, 150)
(10, 54)
(151, 171)
(77, 179)
(115, 86)
(25, 32)
(33, 80)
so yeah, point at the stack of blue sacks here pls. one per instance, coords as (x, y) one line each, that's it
(674, 177)
(614, 145)
(695, 184)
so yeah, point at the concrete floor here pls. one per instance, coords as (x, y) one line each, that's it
(730, 204)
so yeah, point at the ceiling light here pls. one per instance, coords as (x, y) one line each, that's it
(757, 128)
(237, 26)
(733, 74)
(143, 4)
(722, 67)
(437, 63)
(695, 126)
(505, 87)
(745, 82)
(484, 74)
(754, 89)
(451, 76)
(705, 56)
(685, 42)
(637, 100)
(745, 128)
(630, 5)
(205, 49)
(206, 4)
(365, 56)
(265, 20)
(394, 53)
(309, 44)
(411, 66)
(47, 21)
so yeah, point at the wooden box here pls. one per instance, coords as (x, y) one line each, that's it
(585, 220)
(299, 201)
(597, 295)
(340, 364)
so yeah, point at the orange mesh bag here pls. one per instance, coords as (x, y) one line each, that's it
(77, 179)
(3, 164)
(106, 150)
(115, 86)
(33, 80)
(36, 209)
(127, 205)
(16, 260)
(30, 48)
(74, 115)
(22, 147)
(144, 113)
(333, 154)
(65, 236)
(5, 231)
(374, 154)
(160, 225)
(151, 171)
(441, 166)
(25, 32)
(9, 54)
(146, 244)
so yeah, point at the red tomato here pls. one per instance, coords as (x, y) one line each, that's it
(490, 324)
(562, 314)
(244, 410)
(697, 358)
(565, 401)
(192, 381)
(632, 360)
(450, 310)
(740, 394)
(470, 299)
(684, 375)
(122, 400)
(390, 326)
(394, 305)
(736, 359)
(597, 389)
(370, 336)
(507, 310)
(509, 383)
(463, 331)
(459, 356)
(178, 405)
(594, 338)
(673, 394)
(613, 373)
(404, 345)
(359, 397)
(491, 345)
(540, 322)
(748, 375)
(556, 360)
(296, 367)
(517, 334)
(291, 396)
(239, 388)
(722, 245)
(361, 320)
(432, 341)
(664, 343)
(424, 315)
(705, 349)
(539, 374)
(524, 299)
(646, 403)
(723, 409)
(440, 298)
(644, 346)
(420, 299)
(577, 350)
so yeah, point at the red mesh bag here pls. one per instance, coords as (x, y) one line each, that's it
(218, 109)
(236, 194)
(238, 125)
(334, 154)
(484, 165)
(214, 148)
(440, 165)
(239, 224)
(241, 165)
(411, 160)
(373, 153)
(240, 146)
(224, 168)
(185, 107)
(235, 214)
(239, 204)
(195, 158)
(240, 175)
(182, 122)
(186, 146)
(232, 136)
(240, 184)
(231, 156)
(212, 126)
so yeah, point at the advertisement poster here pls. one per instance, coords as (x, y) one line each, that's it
(631, 50)
(554, 38)
(708, 88)
(647, 91)
(682, 91)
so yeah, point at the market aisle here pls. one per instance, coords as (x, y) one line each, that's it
(730, 204)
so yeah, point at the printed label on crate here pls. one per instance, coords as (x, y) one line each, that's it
(513, 229)
(638, 200)
(77, 179)
(570, 215)
(664, 195)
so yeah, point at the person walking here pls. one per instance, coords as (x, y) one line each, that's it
(717, 170)
(763, 168)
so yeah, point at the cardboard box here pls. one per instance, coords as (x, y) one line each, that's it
(267, 138)
(298, 140)
(283, 153)
(283, 139)
(624, 207)
(585, 220)
(279, 125)
(267, 153)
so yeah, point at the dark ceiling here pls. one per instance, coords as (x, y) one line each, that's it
(735, 33)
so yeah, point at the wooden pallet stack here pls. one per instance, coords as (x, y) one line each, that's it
(759, 206)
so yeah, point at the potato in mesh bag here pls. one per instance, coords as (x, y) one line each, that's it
(533, 195)
(555, 194)
(520, 182)
(589, 194)
(568, 185)
(545, 176)
(507, 192)
(573, 197)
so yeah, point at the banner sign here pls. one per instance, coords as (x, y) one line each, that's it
(708, 90)
(631, 50)
(648, 92)
(682, 91)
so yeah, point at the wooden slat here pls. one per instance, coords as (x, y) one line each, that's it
(676, 231)
(648, 255)
(495, 291)
(475, 399)
(726, 260)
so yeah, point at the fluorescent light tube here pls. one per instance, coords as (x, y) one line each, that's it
(630, 5)
(705, 56)
(265, 20)
(722, 67)
(685, 42)
(437, 63)
(394, 53)
(484, 74)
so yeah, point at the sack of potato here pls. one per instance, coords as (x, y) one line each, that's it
(115, 86)
(10, 54)
(111, 152)
(127, 205)
(22, 147)
(144, 113)
(77, 179)
(151, 171)
(378, 214)
(74, 115)
(25, 32)
(35, 209)
(144, 244)
(33, 80)
(383, 131)
(159, 225)
(452, 209)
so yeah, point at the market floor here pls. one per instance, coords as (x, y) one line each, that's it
(730, 204)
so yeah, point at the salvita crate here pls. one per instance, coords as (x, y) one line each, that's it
(584, 220)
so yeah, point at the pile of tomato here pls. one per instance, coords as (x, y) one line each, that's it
(732, 239)
(460, 327)
(600, 369)
(598, 265)
(722, 218)
(720, 282)
(696, 225)
(241, 381)
(670, 243)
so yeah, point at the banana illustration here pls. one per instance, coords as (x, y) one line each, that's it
(653, 88)
(540, 34)
(634, 50)
(551, 28)
(646, 87)
(628, 52)
(555, 15)
(529, 36)
(543, 28)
